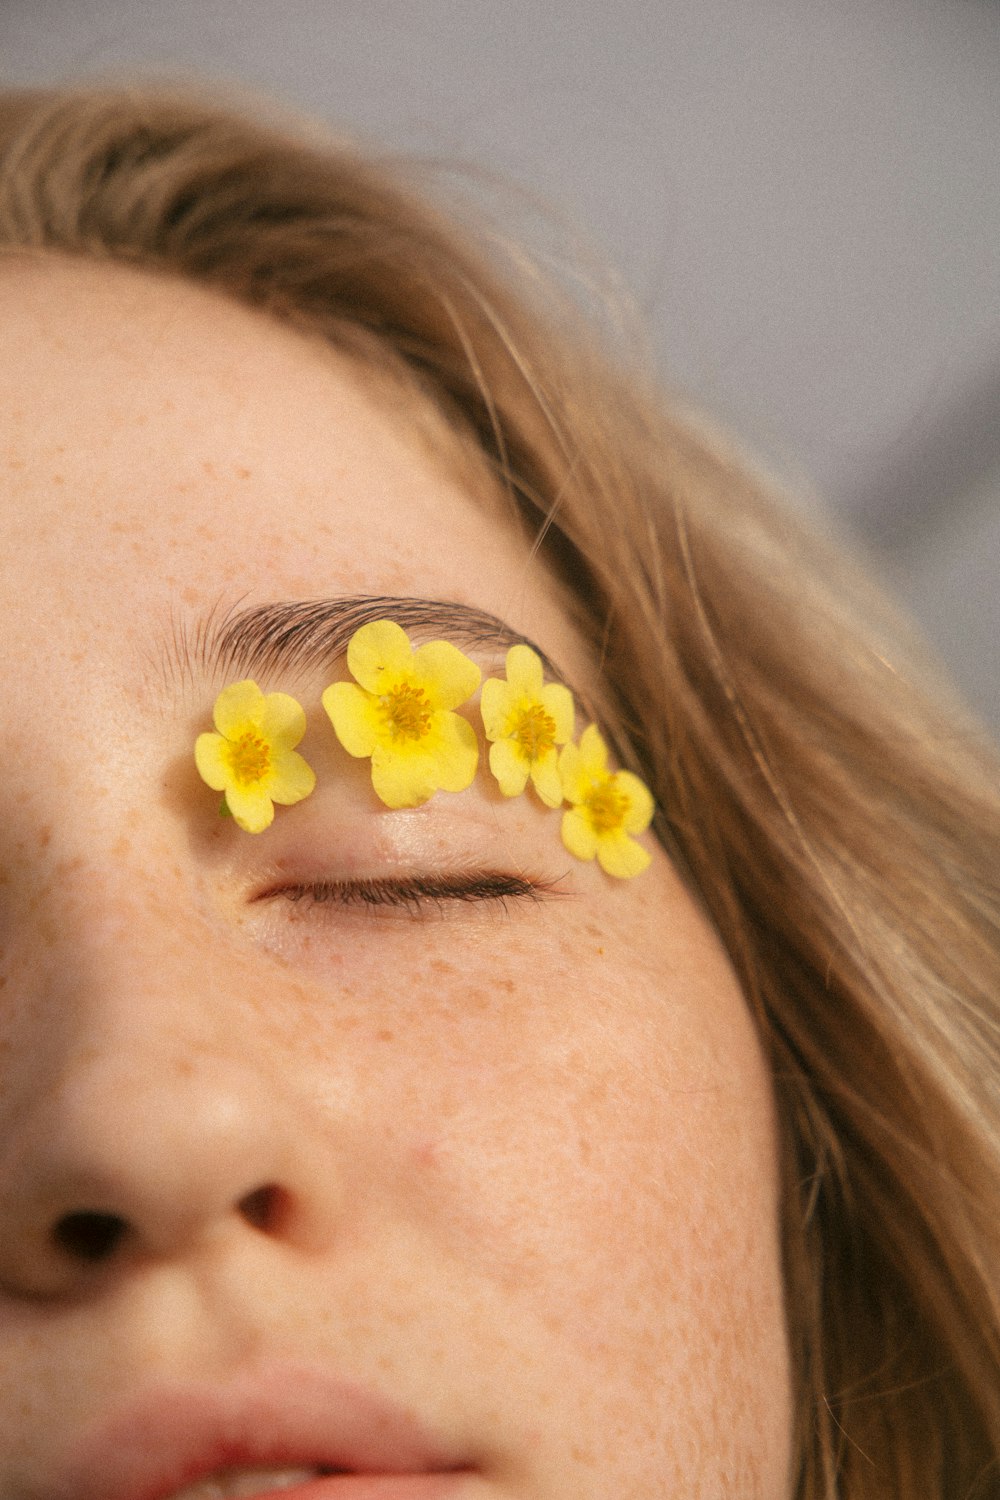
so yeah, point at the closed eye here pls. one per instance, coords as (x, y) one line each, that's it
(413, 895)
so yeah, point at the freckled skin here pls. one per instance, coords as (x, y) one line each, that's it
(526, 1159)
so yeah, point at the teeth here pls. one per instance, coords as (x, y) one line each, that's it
(240, 1483)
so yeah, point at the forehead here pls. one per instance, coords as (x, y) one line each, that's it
(166, 450)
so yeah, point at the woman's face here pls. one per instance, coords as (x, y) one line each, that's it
(475, 1199)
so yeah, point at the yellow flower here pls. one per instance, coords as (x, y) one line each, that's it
(401, 715)
(252, 759)
(608, 806)
(526, 721)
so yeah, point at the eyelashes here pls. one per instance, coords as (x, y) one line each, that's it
(412, 895)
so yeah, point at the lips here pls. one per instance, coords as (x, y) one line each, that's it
(298, 1433)
(334, 1487)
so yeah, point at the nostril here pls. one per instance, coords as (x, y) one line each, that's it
(89, 1236)
(264, 1208)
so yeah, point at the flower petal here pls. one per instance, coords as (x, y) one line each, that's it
(641, 804)
(375, 649)
(447, 676)
(546, 779)
(524, 671)
(578, 834)
(282, 720)
(239, 704)
(573, 773)
(619, 855)
(208, 757)
(593, 751)
(495, 703)
(455, 752)
(354, 716)
(252, 809)
(291, 779)
(406, 776)
(402, 780)
(511, 769)
(557, 702)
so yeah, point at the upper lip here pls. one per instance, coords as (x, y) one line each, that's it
(172, 1435)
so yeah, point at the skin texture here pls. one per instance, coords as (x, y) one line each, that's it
(518, 1164)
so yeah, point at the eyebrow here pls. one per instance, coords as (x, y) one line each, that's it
(310, 635)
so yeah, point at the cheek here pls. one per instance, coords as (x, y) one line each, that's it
(601, 1151)
(594, 1141)
(556, 1093)
(605, 1165)
(573, 1121)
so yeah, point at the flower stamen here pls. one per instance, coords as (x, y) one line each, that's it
(533, 732)
(249, 758)
(406, 712)
(607, 807)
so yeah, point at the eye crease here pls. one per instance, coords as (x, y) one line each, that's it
(414, 895)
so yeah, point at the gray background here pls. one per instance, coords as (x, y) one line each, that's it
(803, 196)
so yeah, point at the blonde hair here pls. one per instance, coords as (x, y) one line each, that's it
(840, 830)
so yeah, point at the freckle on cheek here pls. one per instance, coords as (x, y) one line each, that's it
(425, 1154)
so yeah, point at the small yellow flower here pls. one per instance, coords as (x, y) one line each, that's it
(401, 714)
(252, 759)
(608, 806)
(526, 721)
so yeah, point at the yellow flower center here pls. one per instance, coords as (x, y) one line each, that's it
(606, 806)
(406, 712)
(249, 758)
(533, 732)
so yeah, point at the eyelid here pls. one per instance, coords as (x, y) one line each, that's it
(414, 896)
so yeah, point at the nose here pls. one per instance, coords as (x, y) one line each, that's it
(111, 1169)
(131, 1133)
